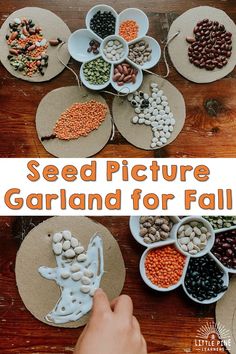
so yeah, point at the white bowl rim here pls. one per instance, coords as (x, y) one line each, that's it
(122, 40)
(115, 86)
(218, 231)
(135, 9)
(139, 239)
(145, 66)
(220, 295)
(80, 30)
(210, 241)
(91, 86)
(145, 278)
(108, 7)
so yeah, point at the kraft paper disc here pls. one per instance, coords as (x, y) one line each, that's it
(39, 294)
(141, 135)
(178, 47)
(49, 111)
(226, 314)
(52, 27)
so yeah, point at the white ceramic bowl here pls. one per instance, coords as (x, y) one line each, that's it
(78, 45)
(101, 8)
(92, 86)
(113, 38)
(129, 87)
(210, 241)
(214, 299)
(156, 52)
(146, 279)
(138, 16)
(230, 270)
(135, 229)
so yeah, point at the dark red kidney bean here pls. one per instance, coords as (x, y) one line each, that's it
(211, 46)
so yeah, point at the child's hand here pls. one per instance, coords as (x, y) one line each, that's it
(112, 328)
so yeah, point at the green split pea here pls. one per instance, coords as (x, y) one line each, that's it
(97, 72)
(219, 222)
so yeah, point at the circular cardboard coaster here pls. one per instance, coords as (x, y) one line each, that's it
(226, 315)
(141, 135)
(178, 47)
(39, 294)
(49, 111)
(53, 27)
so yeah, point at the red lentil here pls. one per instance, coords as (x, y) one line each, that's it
(164, 266)
(80, 119)
(129, 30)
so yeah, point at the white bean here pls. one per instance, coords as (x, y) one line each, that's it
(67, 235)
(57, 237)
(77, 276)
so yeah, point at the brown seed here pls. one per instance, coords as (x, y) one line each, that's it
(120, 68)
(13, 51)
(32, 47)
(190, 39)
(54, 42)
(127, 78)
(13, 36)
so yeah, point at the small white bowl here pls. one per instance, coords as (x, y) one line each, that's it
(134, 226)
(219, 231)
(138, 16)
(214, 299)
(113, 38)
(129, 87)
(146, 279)
(78, 45)
(91, 86)
(210, 241)
(156, 52)
(101, 8)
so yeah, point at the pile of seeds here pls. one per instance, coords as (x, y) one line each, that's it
(28, 47)
(204, 279)
(67, 246)
(225, 248)
(164, 266)
(80, 119)
(154, 111)
(124, 74)
(129, 30)
(97, 71)
(114, 50)
(93, 47)
(140, 52)
(211, 46)
(103, 23)
(155, 228)
(220, 222)
(193, 237)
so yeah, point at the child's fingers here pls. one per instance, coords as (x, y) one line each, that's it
(100, 303)
(123, 306)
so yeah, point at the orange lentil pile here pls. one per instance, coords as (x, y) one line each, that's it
(164, 266)
(129, 30)
(80, 119)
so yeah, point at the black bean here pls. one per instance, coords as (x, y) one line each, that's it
(204, 279)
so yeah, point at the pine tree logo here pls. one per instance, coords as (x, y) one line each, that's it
(212, 337)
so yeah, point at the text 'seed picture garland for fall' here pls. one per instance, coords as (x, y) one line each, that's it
(131, 230)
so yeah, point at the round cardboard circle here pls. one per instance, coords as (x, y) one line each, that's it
(141, 135)
(226, 314)
(53, 27)
(49, 111)
(178, 47)
(40, 295)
